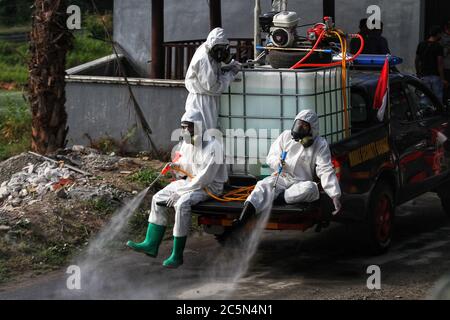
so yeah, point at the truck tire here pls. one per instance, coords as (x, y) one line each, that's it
(444, 194)
(286, 59)
(229, 238)
(380, 218)
(445, 202)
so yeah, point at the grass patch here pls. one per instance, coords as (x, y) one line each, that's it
(138, 225)
(55, 255)
(15, 125)
(101, 206)
(4, 272)
(146, 176)
(13, 62)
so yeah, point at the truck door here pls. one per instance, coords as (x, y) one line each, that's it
(429, 114)
(409, 143)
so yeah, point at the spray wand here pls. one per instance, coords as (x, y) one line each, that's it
(166, 169)
(280, 167)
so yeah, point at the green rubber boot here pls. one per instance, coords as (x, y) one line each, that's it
(150, 245)
(176, 258)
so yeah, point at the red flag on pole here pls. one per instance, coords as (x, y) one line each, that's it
(381, 94)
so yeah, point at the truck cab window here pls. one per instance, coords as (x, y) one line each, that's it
(423, 104)
(358, 108)
(400, 107)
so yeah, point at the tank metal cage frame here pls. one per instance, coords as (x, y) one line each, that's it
(332, 134)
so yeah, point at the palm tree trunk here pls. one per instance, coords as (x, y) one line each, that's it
(50, 42)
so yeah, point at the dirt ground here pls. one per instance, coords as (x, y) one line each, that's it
(41, 233)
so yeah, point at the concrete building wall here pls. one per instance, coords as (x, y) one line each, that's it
(104, 109)
(132, 25)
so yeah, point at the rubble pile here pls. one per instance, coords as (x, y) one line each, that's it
(34, 180)
(61, 176)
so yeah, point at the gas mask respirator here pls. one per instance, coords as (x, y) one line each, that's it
(188, 133)
(221, 53)
(302, 134)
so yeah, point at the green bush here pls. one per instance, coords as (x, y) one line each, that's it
(95, 25)
(13, 62)
(87, 49)
(13, 12)
(15, 127)
(14, 57)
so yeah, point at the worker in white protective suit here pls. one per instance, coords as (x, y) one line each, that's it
(204, 161)
(307, 154)
(205, 79)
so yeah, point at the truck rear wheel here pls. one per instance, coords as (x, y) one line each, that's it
(380, 219)
(446, 205)
(229, 238)
(236, 237)
(444, 195)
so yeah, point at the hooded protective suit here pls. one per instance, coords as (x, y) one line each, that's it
(205, 81)
(205, 163)
(301, 164)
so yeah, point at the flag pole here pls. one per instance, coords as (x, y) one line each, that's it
(388, 56)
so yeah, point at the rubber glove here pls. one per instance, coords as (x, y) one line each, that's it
(173, 199)
(337, 205)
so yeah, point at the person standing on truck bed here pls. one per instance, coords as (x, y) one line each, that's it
(307, 154)
(430, 63)
(203, 161)
(205, 79)
(374, 42)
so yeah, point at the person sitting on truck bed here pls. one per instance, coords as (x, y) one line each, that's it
(203, 161)
(307, 153)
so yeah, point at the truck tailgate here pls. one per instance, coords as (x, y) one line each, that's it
(214, 207)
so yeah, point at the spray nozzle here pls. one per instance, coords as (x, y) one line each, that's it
(166, 169)
(168, 166)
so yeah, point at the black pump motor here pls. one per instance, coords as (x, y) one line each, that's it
(266, 20)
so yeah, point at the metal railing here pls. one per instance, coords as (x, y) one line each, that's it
(179, 54)
(15, 37)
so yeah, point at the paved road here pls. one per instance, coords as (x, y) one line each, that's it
(288, 265)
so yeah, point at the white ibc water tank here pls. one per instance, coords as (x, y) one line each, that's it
(266, 98)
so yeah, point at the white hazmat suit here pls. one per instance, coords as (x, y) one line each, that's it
(301, 164)
(205, 81)
(205, 163)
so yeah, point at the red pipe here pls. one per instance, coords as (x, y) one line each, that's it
(295, 66)
(334, 64)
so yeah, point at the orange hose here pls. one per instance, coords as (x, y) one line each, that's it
(238, 194)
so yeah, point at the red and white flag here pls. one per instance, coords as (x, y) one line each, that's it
(381, 94)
